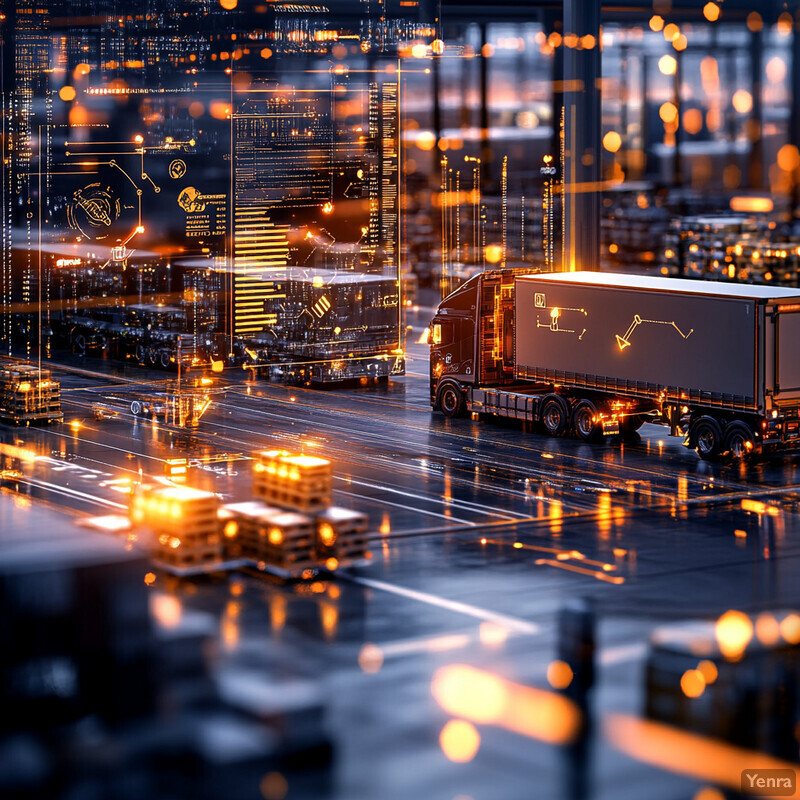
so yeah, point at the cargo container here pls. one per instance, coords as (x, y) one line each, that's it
(593, 354)
(29, 394)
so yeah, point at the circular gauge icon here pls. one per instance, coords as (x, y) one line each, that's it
(93, 210)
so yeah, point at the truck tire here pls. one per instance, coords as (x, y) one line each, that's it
(450, 400)
(79, 344)
(739, 440)
(707, 438)
(136, 408)
(163, 358)
(141, 353)
(584, 421)
(555, 414)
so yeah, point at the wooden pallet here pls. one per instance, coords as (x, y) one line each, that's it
(296, 482)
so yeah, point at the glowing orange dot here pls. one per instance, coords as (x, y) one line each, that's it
(711, 12)
(667, 65)
(768, 630)
(790, 629)
(693, 684)
(459, 741)
(78, 115)
(612, 141)
(788, 158)
(709, 671)
(67, 93)
(494, 253)
(742, 101)
(754, 21)
(693, 121)
(734, 631)
(229, 5)
(426, 140)
(668, 112)
(559, 674)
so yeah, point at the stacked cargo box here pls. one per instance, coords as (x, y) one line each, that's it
(291, 527)
(266, 534)
(297, 482)
(184, 524)
(341, 535)
(28, 394)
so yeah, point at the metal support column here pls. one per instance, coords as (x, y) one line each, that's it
(486, 148)
(582, 135)
(794, 115)
(437, 105)
(677, 164)
(755, 125)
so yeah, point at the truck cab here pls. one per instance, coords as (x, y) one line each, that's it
(472, 339)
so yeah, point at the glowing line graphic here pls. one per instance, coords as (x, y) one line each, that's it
(624, 340)
(555, 315)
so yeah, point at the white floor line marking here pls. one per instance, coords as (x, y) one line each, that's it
(76, 493)
(407, 508)
(512, 623)
(464, 505)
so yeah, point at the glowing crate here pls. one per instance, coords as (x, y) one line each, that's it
(183, 522)
(244, 526)
(28, 394)
(287, 542)
(341, 535)
(297, 482)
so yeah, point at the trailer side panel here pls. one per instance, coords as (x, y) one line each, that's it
(639, 342)
(787, 351)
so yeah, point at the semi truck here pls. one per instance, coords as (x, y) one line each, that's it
(595, 354)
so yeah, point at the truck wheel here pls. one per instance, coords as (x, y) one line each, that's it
(79, 344)
(555, 414)
(739, 440)
(450, 400)
(163, 358)
(136, 408)
(584, 421)
(141, 353)
(707, 436)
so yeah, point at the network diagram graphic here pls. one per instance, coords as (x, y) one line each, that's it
(624, 341)
(554, 316)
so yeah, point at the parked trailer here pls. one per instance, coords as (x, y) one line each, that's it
(596, 354)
